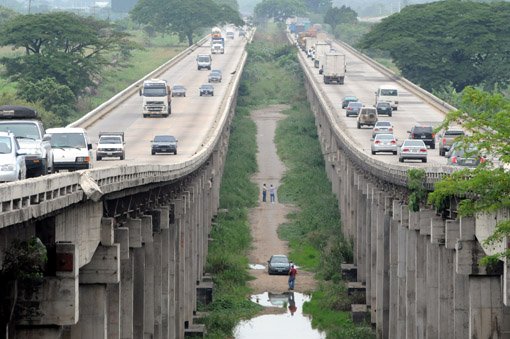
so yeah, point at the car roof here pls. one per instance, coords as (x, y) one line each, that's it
(65, 130)
(413, 141)
(355, 103)
(380, 135)
(351, 97)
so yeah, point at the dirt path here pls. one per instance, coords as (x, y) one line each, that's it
(266, 218)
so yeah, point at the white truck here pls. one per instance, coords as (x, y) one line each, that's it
(334, 68)
(321, 48)
(110, 144)
(157, 98)
(310, 45)
(217, 46)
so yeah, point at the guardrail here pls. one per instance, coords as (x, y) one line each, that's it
(31, 198)
(90, 118)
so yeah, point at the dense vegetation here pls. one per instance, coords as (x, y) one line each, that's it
(460, 43)
(279, 10)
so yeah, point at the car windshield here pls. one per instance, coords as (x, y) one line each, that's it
(355, 104)
(350, 99)
(178, 88)
(384, 136)
(164, 138)
(21, 129)
(66, 140)
(279, 260)
(154, 91)
(203, 59)
(5, 145)
(368, 111)
(417, 143)
(110, 140)
(207, 86)
(383, 104)
(216, 71)
(389, 92)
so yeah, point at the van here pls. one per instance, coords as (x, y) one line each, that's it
(387, 93)
(204, 61)
(72, 149)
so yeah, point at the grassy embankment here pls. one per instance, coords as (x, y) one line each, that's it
(273, 76)
(154, 53)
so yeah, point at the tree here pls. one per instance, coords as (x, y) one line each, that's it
(343, 15)
(72, 50)
(184, 17)
(462, 42)
(279, 10)
(485, 189)
(318, 6)
(6, 14)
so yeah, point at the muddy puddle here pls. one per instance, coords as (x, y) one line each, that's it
(290, 322)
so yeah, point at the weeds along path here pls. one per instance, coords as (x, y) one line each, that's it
(266, 217)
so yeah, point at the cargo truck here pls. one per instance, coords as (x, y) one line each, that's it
(217, 46)
(334, 68)
(321, 48)
(157, 98)
(310, 45)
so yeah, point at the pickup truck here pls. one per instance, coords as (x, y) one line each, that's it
(110, 144)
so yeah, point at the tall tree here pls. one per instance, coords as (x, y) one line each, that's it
(279, 10)
(343, 15)
(464, 42)
(68, 48)
(319, 6)
(184, 17)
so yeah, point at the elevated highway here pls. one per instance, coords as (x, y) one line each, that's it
(418, 268)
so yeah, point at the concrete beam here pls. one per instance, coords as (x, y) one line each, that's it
(104, 268)
(135, 232)
(485, 307)
(93, 313)
(437, 230)
(425, 216)
(121, 236)
(107, 225)
(452, 234)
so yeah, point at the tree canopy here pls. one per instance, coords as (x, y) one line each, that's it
(70, 49)
(184, 17)
(462, 42)
(343, 15)
(279, 10)
(486, 117)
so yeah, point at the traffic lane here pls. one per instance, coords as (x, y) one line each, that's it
(192, 116)
(362, 80)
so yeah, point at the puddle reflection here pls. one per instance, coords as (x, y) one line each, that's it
(291, 324)
(256, 267)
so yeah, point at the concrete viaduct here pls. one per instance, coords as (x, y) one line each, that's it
(126, 247)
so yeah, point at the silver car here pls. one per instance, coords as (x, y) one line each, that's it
(12, 159)
(412, 149)
(384, 143)
(382, 127)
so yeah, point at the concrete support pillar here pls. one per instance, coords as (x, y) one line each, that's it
(158, 283)
(445, 287)
(373, 254)
(393, 268)
(113, 304)
(126, 312)
(148, 304)
(420, 276)
(139, 318)
(485, 307)
(460, 305)
(361, 226)
(382, 286)
(401, 329)
(412, 239)
(432, 292)
(452, 233)
(165, 283)
(93, 313)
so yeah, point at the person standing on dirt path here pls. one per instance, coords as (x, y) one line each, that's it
(292, 277)
(272, 192)
(264, 192)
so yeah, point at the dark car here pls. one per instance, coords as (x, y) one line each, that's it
(383, 107)
(164, 144)
(278, 264)
(178, 91)
(464, 155)
(353, 108)
(207, 89)
(347, 99)
(215, 76)
(424, 133)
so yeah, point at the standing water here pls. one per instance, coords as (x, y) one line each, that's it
(290, 323)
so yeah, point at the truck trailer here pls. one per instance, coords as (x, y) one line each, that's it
(321, 48)
(334, 68)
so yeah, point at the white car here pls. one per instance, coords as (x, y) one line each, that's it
(72, 149)
(12, 159)
(412, 149)
(382, 127)
(384, 143)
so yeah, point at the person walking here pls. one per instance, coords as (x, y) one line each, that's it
(292, 277)
(272, 192)
(264, 192)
